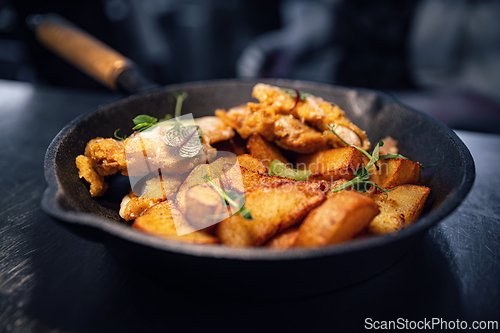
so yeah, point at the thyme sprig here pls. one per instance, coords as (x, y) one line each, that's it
(245, 213)
(362, 175)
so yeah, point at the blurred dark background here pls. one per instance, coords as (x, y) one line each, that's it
(439, 56)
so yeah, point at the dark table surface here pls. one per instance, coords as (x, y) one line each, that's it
(51, 280)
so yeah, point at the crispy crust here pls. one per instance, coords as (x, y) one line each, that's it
(275, 207)
(332, 164)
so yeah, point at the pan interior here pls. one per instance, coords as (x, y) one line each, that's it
(420, 138)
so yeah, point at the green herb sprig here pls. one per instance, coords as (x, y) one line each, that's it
(180, 97)
(121, 138)
(278, 168)
(143, 122)
(245, 213)
(362, 175)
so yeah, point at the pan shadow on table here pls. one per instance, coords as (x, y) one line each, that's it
(87, 290)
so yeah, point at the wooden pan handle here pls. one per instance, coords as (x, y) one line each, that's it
(79, 48)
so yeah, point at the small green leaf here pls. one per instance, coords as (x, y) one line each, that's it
(278, 168)
(144, 118)
(246, 214)
(375, 155)
(292, 92)
(303, 95)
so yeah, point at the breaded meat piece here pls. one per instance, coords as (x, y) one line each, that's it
(314, 111)
(284, 130)
(108, 155)
(86, 170)
(214, 129)
(274, 207)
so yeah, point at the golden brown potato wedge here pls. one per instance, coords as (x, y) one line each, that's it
(333, 185)
(152, 192)
(133, 206)
(274, 207)
(214, 170)
(161, 189)
(204, 206)
(251, 163)
(338, 219)
(159, 221)
(242, 179)
(264, 150)
(194, 178)
(395, 172)
(402, 207)
(332, 164)
(284, 240)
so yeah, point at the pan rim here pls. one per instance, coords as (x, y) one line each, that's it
(50, 207)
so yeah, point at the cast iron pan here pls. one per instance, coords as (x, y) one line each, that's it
(253, 272)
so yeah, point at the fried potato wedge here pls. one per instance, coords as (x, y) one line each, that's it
(241, 179)
(133, 206)
(395, 172)
(402, 207)
(161, 189)
(264, 150)
(332, 185)
(204, 206)
(251, 163)
(194, 178)
(159, 221)
(337, 220)
(214, 170)
(332, 164)
(274, 208)
(283, 240)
